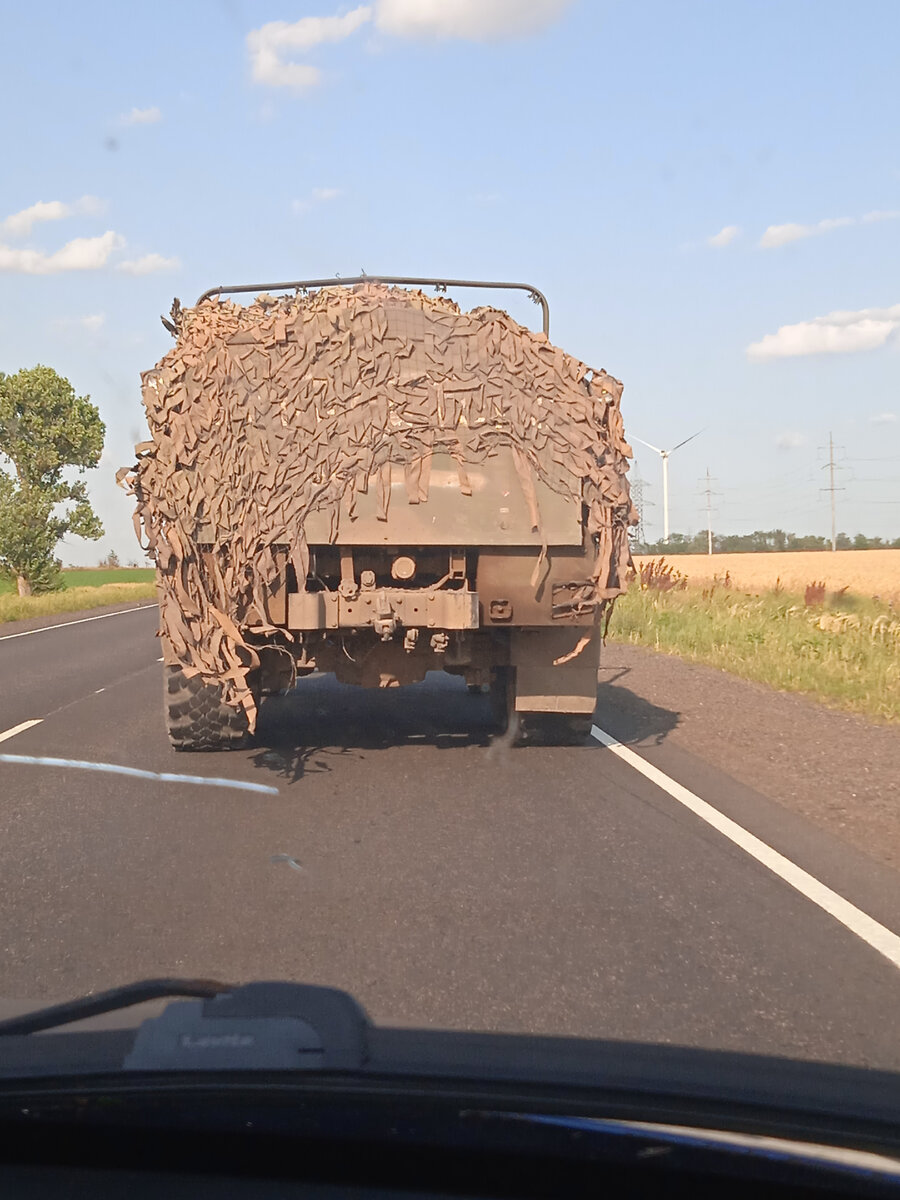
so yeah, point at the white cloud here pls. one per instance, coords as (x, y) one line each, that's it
(318, 195)
(270, 45)
(90, 206)
(92, 323)
(885, 418)
(789, 439)
(141, 116)
(724, 236)
(148, 264)
(81, 254)
(780, 235)
(474, 20)
(21, 223)
(881, 215)
(273, 46)
(835, 333)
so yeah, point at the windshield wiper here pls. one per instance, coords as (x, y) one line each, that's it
(113, 1000)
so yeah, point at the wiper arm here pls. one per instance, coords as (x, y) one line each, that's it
(111, 1001)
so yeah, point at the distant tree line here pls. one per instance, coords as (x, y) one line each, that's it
(762, 541)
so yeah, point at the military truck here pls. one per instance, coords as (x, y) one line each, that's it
(354, 476)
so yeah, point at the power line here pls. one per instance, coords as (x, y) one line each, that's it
(638, 487)
(832, 488)
(708, 489)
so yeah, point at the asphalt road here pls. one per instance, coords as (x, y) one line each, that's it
(443, 878)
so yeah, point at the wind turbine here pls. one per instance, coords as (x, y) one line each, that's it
(664, 455)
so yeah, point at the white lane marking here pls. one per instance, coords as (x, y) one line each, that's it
(865, 927)
(136, 773)
(9, 733)
(7, 637)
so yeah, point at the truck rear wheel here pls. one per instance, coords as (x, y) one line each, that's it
(197, 717)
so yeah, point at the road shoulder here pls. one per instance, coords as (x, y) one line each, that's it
(63, 618)
(837, 769)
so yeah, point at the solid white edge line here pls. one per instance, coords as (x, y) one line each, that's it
(6, 637)
(865, 927)
(9, 733)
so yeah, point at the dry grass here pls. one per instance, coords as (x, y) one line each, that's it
(844, 653)
(20, 608)
(863, 572)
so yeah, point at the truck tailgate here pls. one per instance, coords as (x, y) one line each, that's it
(495, 514)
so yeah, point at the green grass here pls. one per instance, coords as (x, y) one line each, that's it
(846, 655)
(87, 577)
(78, 577)
(75, 599)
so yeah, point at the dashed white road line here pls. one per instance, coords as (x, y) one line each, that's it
(7, 637)
(20, 728)
(29, 760)
(865, 927)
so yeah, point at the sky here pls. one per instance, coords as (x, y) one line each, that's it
(707, 193)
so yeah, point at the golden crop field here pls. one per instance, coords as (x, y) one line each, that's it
(864, 572)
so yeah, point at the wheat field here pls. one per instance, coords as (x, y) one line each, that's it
(863, 572)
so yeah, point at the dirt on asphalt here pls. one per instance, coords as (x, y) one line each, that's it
(839, 770)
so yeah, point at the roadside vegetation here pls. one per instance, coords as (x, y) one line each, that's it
(76, 599)
(89, 578)
(762, 541)
(47, 433)
(842, 649)
(48, 436)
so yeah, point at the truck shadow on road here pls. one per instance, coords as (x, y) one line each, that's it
(628, 716)
(306, 730)
(301, 732)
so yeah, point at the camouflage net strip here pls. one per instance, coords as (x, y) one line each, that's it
(261, 415)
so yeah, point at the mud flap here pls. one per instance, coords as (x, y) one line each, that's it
(547, 684)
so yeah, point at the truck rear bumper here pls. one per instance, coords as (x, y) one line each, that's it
(382, 607)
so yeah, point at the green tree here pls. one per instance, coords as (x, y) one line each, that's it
(44, 430)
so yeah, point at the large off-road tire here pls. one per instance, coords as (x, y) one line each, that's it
(196, 716)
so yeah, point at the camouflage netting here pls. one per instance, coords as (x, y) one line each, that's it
(261, 415)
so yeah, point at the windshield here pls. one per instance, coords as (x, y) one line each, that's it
(511, 670)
